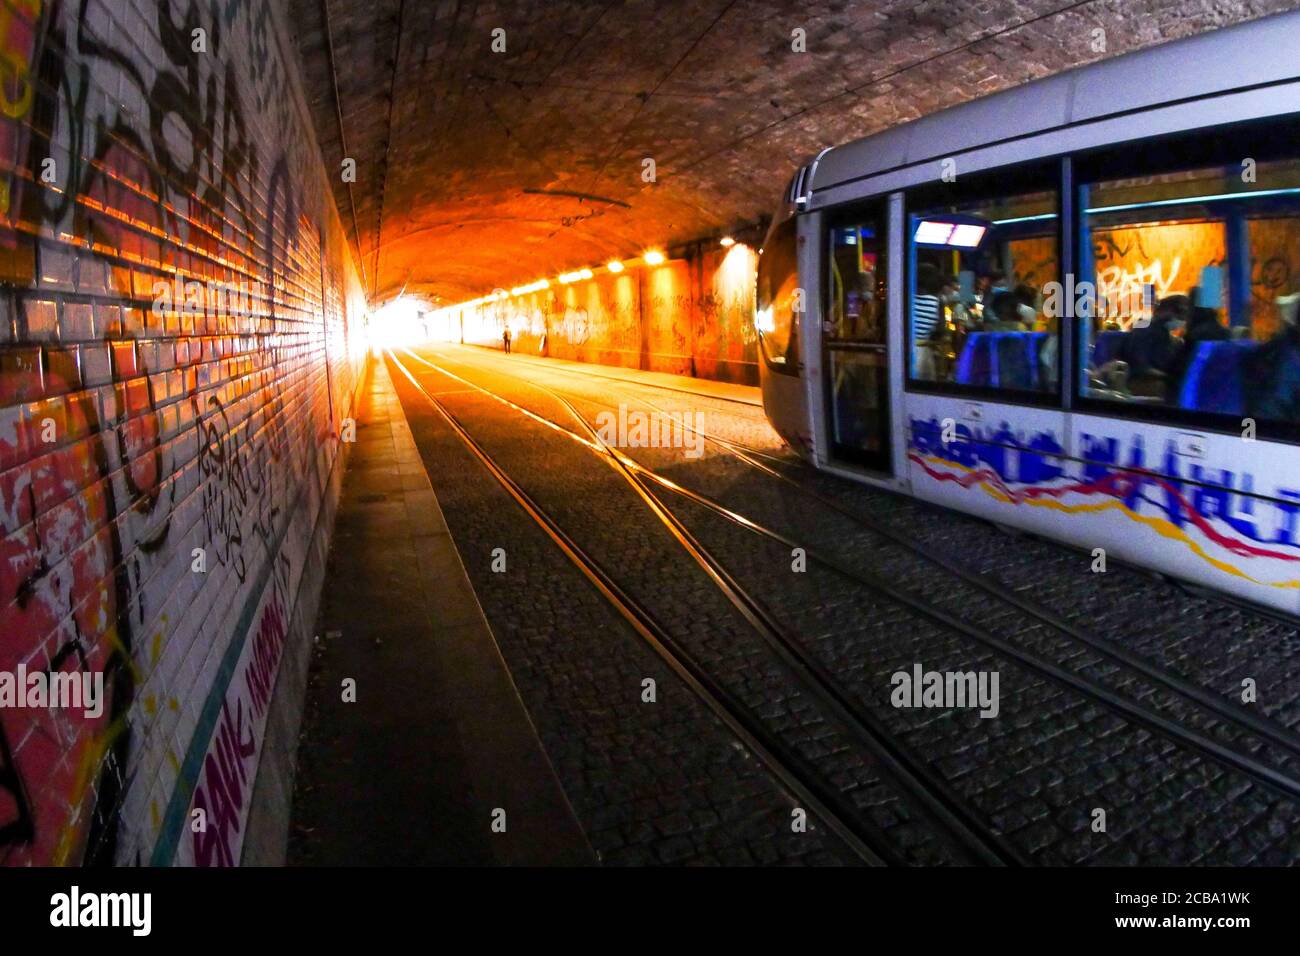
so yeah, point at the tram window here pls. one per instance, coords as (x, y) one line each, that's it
(1187, 296)
(779, 299)
(857, 357)
(857, 301)
(981, 269)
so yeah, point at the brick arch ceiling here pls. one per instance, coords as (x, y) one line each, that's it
(477, 169)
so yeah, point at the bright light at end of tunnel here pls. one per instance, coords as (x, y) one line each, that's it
(399, 322)
(614, 266)
(653, 258)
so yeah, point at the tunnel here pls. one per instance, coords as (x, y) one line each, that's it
(630, 434)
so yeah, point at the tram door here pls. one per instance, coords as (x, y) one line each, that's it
(855, 337)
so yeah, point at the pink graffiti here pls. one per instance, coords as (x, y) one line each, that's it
(223, 793)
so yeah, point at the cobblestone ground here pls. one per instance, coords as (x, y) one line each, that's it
(660, 783)
(1038, 771)
(643, 558)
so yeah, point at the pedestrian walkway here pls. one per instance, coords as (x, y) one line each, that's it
(436, 741)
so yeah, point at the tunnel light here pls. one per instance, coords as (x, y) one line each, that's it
(614, 266)
(537, 286)
(653, 258)
(726, 242)
(577, 276)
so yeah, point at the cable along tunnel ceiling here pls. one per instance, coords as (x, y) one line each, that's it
(477, 169)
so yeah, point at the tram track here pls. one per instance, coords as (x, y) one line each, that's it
(918, 783)
(1270, 776)
(1248, 720)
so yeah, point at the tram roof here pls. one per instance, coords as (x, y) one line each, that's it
(1258, 53)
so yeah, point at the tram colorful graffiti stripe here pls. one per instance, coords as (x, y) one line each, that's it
(1177, 516)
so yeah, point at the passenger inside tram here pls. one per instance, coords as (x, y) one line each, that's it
(1151, 347)
(1273, 373)
(1004, 314)
(929, 324)
(1203, 325)
(1196, 275)
(994, 255)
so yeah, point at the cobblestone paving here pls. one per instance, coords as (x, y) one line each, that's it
(659, 783)
(1053, 754)
(646, 562)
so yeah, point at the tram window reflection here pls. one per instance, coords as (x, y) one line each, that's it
(1187, 296)
(976, 293)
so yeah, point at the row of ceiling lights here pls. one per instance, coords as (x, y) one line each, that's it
(652, 257)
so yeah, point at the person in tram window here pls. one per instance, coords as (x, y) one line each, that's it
(956, 323)
(987, 288)
(927, 321)
(989, 285)
(1005, 314)
(505, 340)
(870, 324)
(860, 307)
(1272, 374)
(1150, 349)
(950, 297)
(1026, 305)
(1049, 352)
(1203, 325)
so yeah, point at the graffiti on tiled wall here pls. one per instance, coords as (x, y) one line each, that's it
(179, 340)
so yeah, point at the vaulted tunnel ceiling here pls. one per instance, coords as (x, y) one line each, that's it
(467, 160)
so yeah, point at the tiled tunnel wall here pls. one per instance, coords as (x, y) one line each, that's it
(691, 316)
(181, 341)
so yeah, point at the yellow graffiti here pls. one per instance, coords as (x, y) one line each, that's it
(88, 764)
(14, 64)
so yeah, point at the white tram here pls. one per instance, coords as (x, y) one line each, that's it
(1070, 307)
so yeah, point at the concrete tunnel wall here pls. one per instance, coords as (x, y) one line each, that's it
(689, 316)
(181, 344)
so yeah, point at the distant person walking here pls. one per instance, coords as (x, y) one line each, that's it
(505, 340)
